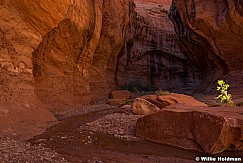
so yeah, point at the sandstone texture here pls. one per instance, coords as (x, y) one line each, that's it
(172, 98)
(210, 34)
(151, 55)
(143, 107)
(211, 130)
(56, 55)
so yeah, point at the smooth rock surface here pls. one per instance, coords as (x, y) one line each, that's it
(208, 129)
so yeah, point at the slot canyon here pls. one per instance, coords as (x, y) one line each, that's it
(63, 61)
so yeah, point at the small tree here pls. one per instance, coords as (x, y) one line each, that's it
(224, 97)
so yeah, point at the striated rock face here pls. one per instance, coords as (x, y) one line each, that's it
(67, 49)
(76, 58)
(209, 130)
(56, 54)
(21, 112)
(210, 33)
(115, 19)
(151, 55)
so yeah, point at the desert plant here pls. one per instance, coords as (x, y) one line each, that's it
(137, 86)
(162, 93)
(128, 101)
(224, 97)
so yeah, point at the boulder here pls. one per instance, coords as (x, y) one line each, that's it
(154, 100)
(172, 98)
(125, 109)
(123, 94)
(205, 129)
(143, 107)
(115, 102)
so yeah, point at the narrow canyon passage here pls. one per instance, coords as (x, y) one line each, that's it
(58, 57)
(151, 57)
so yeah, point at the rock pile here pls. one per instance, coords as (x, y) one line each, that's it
(119, 97)
(149, 104)
(172, 98)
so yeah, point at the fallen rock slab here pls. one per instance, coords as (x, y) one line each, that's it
(172, 98)
(122, 94)
(116, 102)
(207, 129)
(143, 107)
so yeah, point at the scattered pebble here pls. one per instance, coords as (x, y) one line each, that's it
(121, 126)
(82, 110)
(13, 151)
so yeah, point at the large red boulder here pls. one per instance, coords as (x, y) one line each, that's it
(206, 129)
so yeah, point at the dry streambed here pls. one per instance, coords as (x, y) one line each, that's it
(99, 134)
(91, 134)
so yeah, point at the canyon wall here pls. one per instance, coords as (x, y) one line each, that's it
(55, 55)
(151, 57)
(210, 33)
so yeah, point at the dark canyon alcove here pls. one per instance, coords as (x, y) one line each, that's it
(210, 34)
(152, 56)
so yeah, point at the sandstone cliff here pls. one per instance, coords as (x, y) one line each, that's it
(151, 55)
(210, 33)
(56, 54)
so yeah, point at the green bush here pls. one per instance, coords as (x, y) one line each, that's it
(162, 93)
(224, 97)
(128, 101)
(137, 86)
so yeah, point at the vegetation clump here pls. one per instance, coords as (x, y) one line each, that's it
(224, 97)
(137, 86)
(162, 93)
(128, 101)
